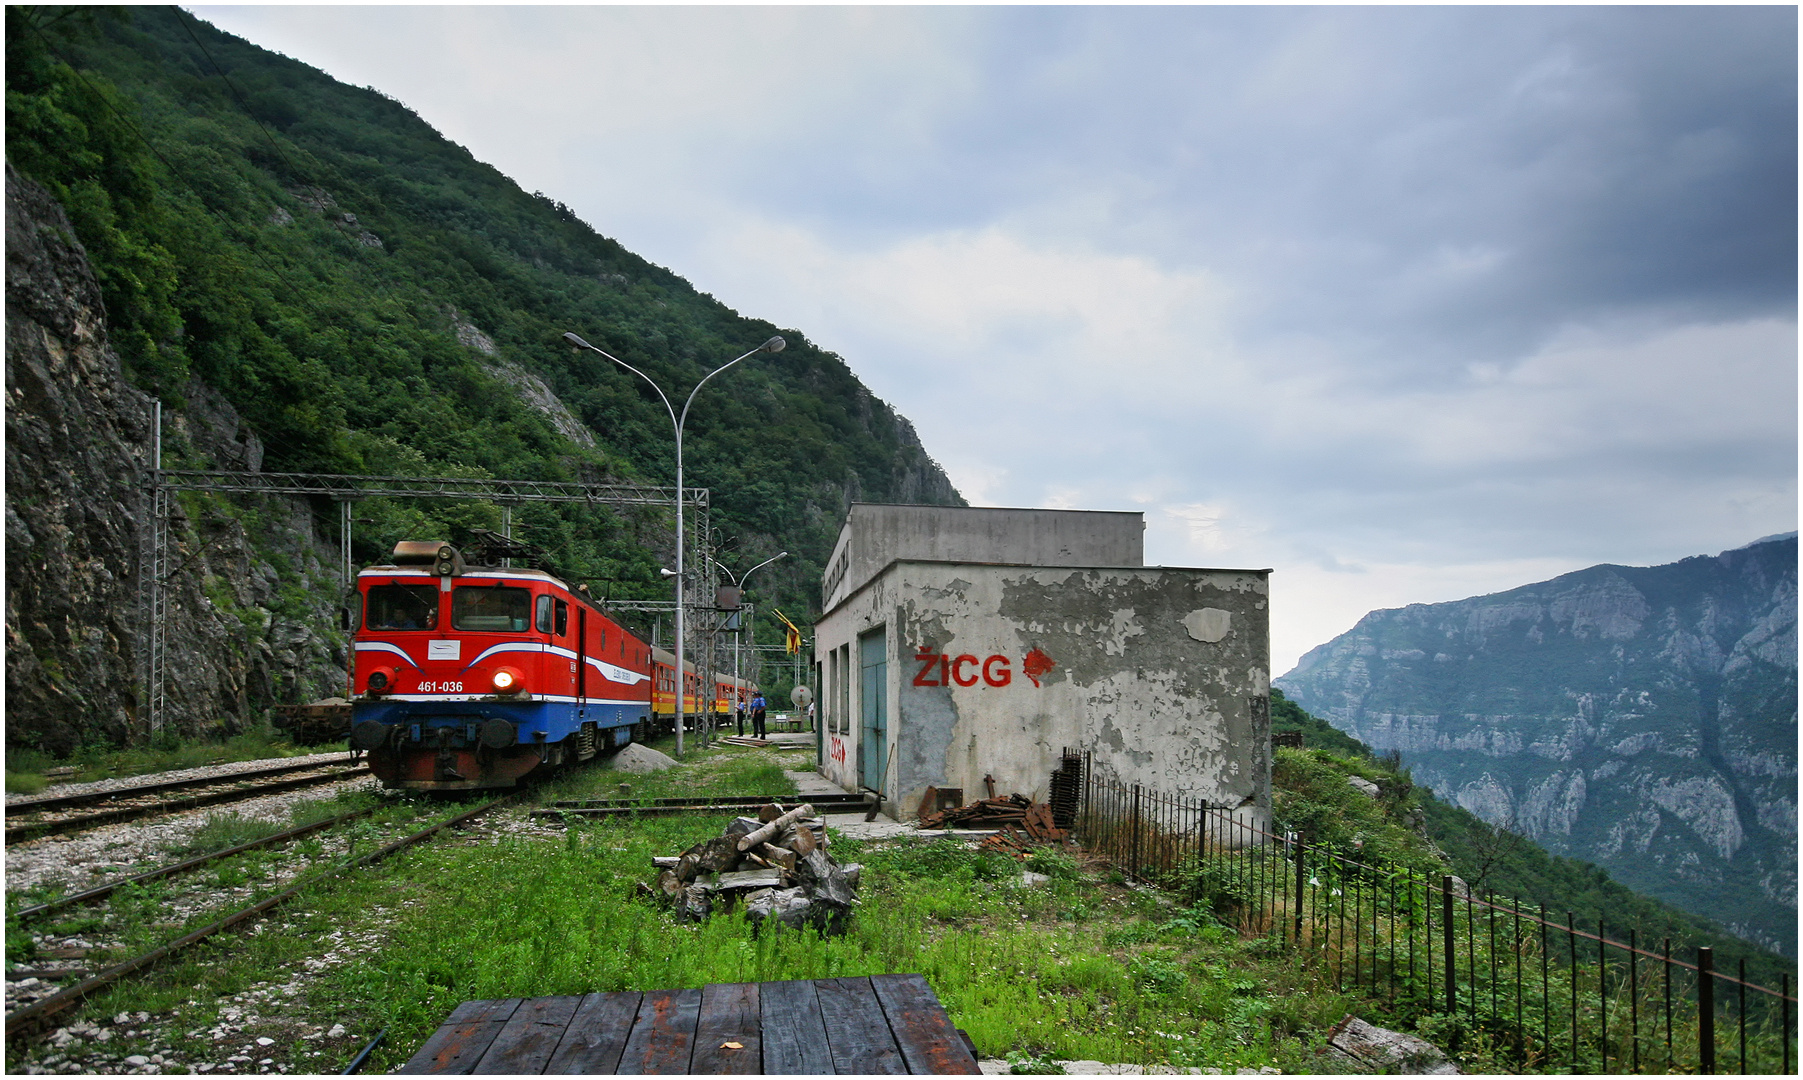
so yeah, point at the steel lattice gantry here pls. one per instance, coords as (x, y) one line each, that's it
(344, 489)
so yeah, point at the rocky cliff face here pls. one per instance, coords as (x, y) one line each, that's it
(1643, 718)
(245, 620)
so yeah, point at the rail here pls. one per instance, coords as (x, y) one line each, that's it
(35, 1015)
(232, 790)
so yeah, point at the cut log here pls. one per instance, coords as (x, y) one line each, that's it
(720, 853)
(802, 841)
(739, 826)
(669, 884)
(771, 828)
(778, 856)
(929, 802)
(687, 868)
(750, 879)
(665, 862)
(769, 812)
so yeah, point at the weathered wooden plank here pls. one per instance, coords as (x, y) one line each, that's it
(793, 1030)
(471, 1011)
(596, 1035)
(928, 1041)
(856, 1030)
(530, 1036)
(459, 1043)
(663, 1036)
(729, 1014)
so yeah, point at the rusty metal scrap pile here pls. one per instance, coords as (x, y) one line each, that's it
(775, 864)
(1020, 823)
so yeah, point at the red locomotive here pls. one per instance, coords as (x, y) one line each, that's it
(474, 676)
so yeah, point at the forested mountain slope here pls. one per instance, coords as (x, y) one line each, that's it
(1310, 792)
(312, 279)
(1641, 718)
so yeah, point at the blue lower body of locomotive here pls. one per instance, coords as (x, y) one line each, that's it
(448, 745)
(534, 722)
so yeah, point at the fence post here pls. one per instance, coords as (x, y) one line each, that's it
(1135, 860)
(1301, 882)
(1201, 846)
(1706, 1009)
(1452, 999)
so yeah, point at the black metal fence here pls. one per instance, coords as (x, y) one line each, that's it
(1530, 992)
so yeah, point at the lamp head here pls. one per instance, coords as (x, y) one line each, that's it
(775, 344)
(665, 571)
(576, 341)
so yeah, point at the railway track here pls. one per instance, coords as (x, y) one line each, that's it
(73, 813)
(35, 1015)
(606, 808)
(101, 892)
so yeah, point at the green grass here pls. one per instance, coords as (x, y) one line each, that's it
(1010, 964)
(26, 767)
(719, 770)
(25, 783)
(1080, 966)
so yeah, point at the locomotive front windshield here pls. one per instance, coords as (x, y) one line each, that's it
(492, 608)
(402, 607)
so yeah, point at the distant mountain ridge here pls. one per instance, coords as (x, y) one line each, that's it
(1642, 718)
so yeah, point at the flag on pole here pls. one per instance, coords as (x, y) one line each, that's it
(792, 636)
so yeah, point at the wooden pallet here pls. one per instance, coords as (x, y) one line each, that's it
(883, 1024)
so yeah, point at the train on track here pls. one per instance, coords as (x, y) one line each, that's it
(468, 677)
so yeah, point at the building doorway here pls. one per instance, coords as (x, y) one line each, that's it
(873, 705)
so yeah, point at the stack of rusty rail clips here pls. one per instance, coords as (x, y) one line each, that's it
(1020, 823)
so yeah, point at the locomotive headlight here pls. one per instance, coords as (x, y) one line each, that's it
(507, 681)
(380, 680)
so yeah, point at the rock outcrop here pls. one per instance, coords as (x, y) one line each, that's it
(1642, 718)
(244, 579)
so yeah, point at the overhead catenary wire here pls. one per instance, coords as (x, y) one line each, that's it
(187, 24)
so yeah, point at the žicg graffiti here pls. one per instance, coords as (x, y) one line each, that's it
(964, 669)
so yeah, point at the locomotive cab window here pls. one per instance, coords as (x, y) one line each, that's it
(402, 607)
(563, 618)
(495, 608)
(544, 614)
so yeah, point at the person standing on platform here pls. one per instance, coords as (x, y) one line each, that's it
(739, 712)
(757, 717)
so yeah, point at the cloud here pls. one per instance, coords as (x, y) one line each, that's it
(1398, 301)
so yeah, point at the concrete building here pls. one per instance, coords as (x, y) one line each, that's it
(963, 642)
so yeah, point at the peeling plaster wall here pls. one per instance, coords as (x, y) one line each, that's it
(877, 534)
(1162, 673)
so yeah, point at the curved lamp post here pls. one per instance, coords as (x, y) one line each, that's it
(739, 583)
(774, 345)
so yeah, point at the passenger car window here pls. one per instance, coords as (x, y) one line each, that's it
(402, 607)
(491, 607)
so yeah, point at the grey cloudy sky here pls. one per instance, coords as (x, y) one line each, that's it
(1408, 303)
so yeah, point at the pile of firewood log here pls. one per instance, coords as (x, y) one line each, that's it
(775, 865)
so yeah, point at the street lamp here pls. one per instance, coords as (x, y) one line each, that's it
(739, 583)
(774, 345)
